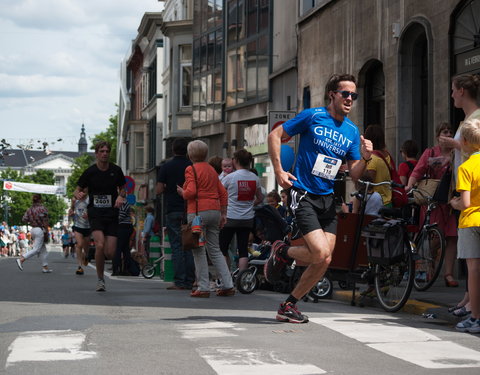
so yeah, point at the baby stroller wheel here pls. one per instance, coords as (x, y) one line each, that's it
(246, 281)
(322, 289)
(148, 271)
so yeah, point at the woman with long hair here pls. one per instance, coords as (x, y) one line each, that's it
(437, 161)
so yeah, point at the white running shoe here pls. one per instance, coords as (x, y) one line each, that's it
(19, 264)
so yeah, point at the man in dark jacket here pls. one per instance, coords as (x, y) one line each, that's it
(171, 174)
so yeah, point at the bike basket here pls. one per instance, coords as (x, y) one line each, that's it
(384, 241)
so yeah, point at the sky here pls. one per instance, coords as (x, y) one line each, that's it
(59, 66)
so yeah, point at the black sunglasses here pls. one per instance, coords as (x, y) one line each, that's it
(346, 94)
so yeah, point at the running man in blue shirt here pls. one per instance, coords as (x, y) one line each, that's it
(326, 137)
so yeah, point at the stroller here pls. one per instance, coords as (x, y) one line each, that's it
(269, 227)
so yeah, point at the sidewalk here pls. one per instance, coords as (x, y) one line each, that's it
(433, 301)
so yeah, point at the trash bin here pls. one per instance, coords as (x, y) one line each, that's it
(167, 259)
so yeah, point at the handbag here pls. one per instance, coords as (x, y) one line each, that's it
(426, 187)
(190, 239)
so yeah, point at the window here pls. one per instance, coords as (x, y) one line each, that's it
(306, 6)
(208, 58)
(139, 146)
(185, 75)
(60, 180)
(152, 125)
(152, 80)
(248, 59)
(306, 97)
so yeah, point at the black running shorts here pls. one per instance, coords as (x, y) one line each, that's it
(312, 212)
(85, 232)
(108, 225)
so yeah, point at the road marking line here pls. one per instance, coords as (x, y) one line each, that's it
(48, 346)
(229, 361)
(208, 329)
(409, 344)
(433, 354)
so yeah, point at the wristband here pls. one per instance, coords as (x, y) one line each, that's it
(366, 160)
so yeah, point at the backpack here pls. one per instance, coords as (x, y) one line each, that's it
(399, 195)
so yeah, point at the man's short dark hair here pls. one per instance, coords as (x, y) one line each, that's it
(334, 81)
(101, 144)
(179, 146)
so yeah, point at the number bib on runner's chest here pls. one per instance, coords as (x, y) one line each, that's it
(326, 167)
(102, 201)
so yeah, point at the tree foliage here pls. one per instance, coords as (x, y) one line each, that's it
(79, 165)
(109, 135)
(18, 202)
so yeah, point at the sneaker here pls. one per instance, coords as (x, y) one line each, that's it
(100, 286)
(275, 263)
(19, 264)
(199, 294)
(79, 271)
(469, 325)
(46, 270)
(461, 312)
(225, 292)
(287, 312)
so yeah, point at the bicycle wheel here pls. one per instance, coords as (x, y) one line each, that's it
(322, 289)
(430, 246)
(393, 283)
(148, 271)
(246, 281)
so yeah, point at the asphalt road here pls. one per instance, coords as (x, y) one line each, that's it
(57, 324)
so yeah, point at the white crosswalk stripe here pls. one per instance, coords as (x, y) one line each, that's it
(208, 329)
(238, 361)
(48, 346)
(382, 333)
(229, 361)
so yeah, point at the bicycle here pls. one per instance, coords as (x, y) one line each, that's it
(390, 253)
(148, 270)
(430, 247)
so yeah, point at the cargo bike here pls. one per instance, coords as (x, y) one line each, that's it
(379, 251)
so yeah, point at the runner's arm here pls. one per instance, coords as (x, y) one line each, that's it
(357, 167)
(122, 196)
(79, 193)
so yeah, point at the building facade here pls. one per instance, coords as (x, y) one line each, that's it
(141, 109)
(404, 54)
(231, 66)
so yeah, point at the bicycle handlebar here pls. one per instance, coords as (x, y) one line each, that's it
(392, 185)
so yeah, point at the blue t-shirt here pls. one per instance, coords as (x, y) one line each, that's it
(321, 134)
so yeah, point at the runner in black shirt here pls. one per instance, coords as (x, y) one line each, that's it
(104, 183)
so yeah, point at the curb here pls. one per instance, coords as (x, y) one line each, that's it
(412, 306)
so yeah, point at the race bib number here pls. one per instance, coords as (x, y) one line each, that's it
(326, 167)
(102, 201)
